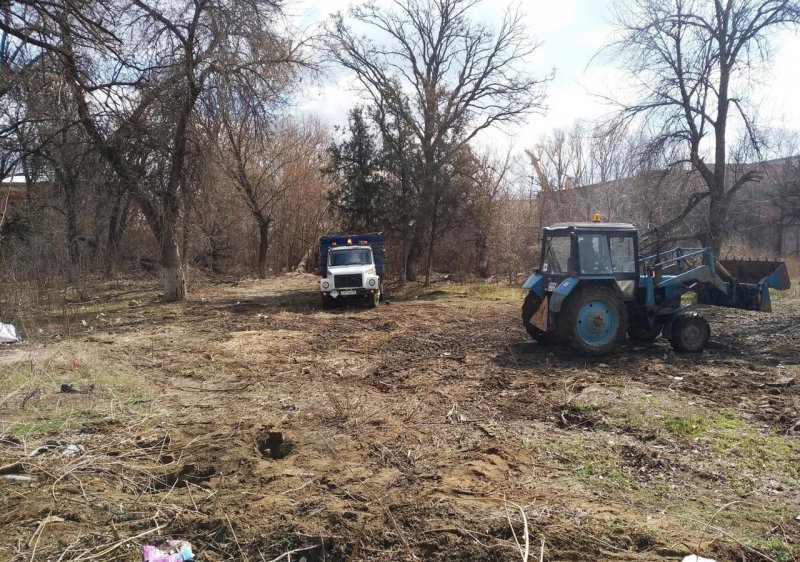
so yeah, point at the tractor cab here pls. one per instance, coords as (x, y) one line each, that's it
(600, 251)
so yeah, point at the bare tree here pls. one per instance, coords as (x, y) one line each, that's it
(690, 59)
(136, 72)
(444, 75)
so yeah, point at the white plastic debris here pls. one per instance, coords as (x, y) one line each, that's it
(696, 558)
(8, 334)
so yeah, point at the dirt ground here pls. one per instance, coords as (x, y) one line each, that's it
(258, 427)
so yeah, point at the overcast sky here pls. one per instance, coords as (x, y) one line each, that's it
(571, 32)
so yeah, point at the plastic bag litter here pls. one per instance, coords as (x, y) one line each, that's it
(169, 551)
(8, 334)
(696, 558)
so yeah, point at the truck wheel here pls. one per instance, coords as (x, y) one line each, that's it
(374, 299)
(529, 307)
(595, 319)
(327, 303)
(690, 333)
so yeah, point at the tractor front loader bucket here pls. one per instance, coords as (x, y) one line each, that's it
(749, 282)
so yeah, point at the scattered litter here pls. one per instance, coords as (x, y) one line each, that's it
(73, 449)
(696, 558)
(382, 386)
(8, 334)
(678, 378)
(17, 477)
(69, 449)
(168, 551)
(10, 440)
(68, 388)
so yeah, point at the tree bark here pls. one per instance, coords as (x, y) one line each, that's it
(432, 242)
(116, 227)
(263, 246)
(68, 186)
(174, 280)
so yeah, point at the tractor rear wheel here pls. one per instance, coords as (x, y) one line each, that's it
(690, 332)
(594, 318)
(529, 307)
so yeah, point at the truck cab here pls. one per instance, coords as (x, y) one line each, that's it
(351, 267)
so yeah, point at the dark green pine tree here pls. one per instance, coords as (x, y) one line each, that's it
(360, 191)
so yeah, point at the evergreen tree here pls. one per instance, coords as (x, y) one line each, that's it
(360, 194)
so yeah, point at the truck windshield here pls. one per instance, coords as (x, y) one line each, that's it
(556, 255)
(356, 256)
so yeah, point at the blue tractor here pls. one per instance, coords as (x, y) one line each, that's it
(592, 288)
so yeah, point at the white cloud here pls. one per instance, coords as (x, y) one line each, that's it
(571, 33)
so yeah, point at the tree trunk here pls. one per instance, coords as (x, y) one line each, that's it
(431, 243)
(68, 185)
(112, 240)
(116, 227)
(779, 236)
(263, 246)
(174, 280)
(718, 215)
(412, 260)
(481, 254)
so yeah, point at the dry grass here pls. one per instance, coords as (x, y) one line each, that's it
(428, 429)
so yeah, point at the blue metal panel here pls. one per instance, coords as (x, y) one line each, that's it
(561, 292)
(779, 279)
(646, 281)
(535, 282)
(373, 239)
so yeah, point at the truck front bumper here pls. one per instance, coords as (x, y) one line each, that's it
(349, 293)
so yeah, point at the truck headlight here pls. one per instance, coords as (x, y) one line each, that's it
(325, 284)
(372, 282)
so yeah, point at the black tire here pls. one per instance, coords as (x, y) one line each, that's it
(690, 333)
(373, 299)
(529, 307)
(327, 303)
(609, 322)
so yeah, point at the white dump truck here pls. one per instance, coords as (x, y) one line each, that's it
(351, 267)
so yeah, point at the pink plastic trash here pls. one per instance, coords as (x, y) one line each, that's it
(169, 551)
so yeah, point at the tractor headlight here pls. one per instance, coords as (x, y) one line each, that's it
(372, 282)
(325, 284)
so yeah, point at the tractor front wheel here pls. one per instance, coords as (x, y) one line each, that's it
(529, 307)
(595, 319)
(690, 333)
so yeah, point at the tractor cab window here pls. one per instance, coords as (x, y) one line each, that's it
(556, 255)
(594, 253)
(623, 256)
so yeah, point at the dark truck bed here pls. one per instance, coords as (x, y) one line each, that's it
(373, 239)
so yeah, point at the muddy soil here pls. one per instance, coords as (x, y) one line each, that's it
(258, 427)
